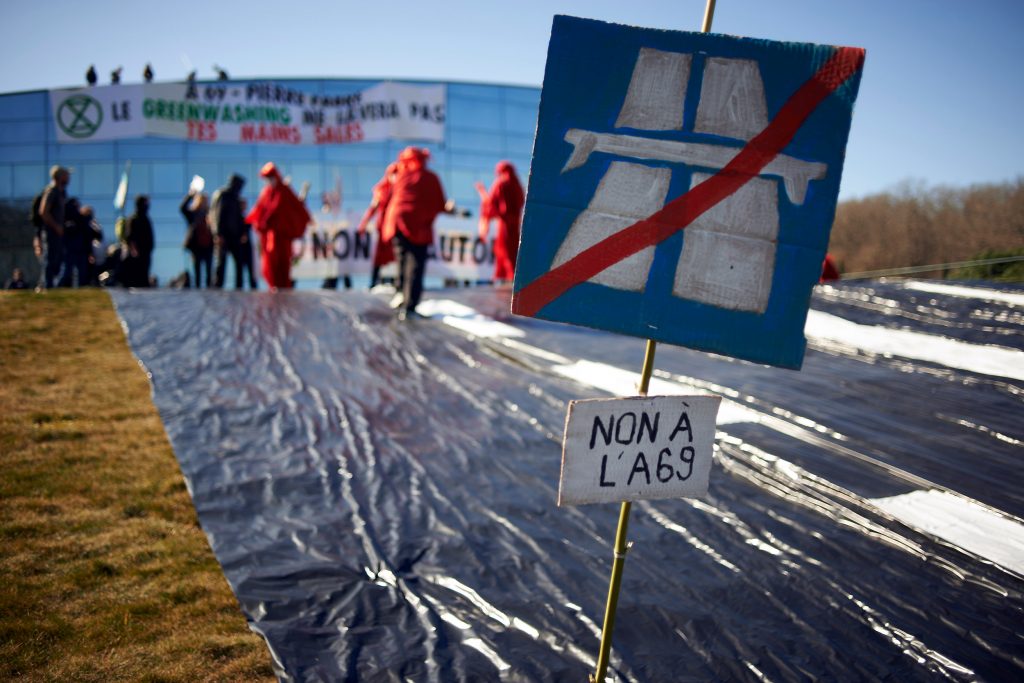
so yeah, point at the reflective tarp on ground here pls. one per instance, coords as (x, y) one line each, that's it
(381, 495)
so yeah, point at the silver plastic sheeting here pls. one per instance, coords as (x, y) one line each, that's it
(381, 497)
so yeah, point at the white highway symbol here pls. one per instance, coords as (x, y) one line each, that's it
(728, 255)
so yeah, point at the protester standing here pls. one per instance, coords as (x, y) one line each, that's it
(384, 253)
(229, 232)
(17, 280)
(245, 248)
(95, 244)
(504, 204)
(139, 237)
(198, 236)
(279, 218)
(51, 233)
(77, 246)
(416, 199)
(829, 270)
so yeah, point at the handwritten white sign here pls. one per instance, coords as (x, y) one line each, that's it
(639, 448)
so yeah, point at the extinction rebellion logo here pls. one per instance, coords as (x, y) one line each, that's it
(79, 116)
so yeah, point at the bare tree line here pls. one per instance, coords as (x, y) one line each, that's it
(916, 225)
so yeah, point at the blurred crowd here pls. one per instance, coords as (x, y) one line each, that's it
(70, 247)
(69, 242)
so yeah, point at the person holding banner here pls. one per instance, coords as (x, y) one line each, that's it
(384, 252)
(198, 236)
(279, 217)
(416, 200)
(503, 203)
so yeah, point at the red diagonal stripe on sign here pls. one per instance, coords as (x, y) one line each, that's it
(683, 210)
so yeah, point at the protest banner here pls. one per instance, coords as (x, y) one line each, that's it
(333, 247)
(246, 113)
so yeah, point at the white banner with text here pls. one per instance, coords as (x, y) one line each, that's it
(264, 112)
(332, 247)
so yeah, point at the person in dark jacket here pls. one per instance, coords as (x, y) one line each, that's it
(17, 280)
(138, 235)
(77, 245)
(198, 236)
(230, 233)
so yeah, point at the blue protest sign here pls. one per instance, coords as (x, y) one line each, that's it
(683, 185)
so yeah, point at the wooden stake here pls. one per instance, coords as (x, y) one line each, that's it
(709, 15)
(620, 543)
(621, 546)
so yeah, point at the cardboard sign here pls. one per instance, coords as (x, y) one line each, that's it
(639, 448)
(683, 185)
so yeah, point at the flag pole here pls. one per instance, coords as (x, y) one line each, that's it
(621, 545)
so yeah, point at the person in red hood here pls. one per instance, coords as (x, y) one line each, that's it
(385, 252)
(279, 217)
(503, 203)
(829, 270)
(416, 199)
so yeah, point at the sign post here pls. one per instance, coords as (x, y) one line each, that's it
(621, 546)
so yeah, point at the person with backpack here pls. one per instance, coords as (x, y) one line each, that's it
(198, 235)
(49, 222)
(230, 233)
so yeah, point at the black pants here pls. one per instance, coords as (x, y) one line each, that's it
(241, 253)
(243, 265)
(202, 259)
(412, 266)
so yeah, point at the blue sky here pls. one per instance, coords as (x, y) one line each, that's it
(941, 100)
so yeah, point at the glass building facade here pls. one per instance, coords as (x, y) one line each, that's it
(484, 123)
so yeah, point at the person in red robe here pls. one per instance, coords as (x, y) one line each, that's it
(279, 217)
(384, 252)
(416, 199)
(829, 270)
(504, 203)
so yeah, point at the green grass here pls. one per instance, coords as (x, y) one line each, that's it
(106, 573)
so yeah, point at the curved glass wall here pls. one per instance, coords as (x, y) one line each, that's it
(484, 123)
